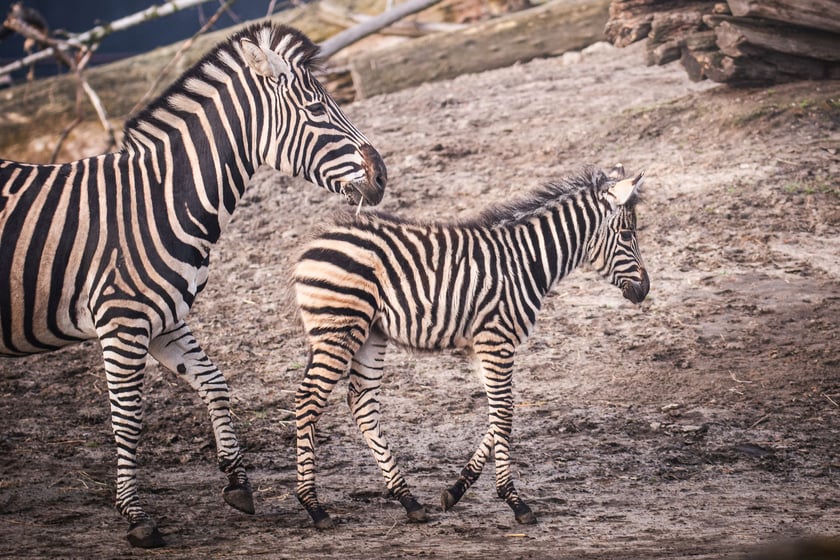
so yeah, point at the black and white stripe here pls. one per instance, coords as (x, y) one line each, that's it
(476, 285)
(116, 247)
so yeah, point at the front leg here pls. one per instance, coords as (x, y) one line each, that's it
(496, 360)
(179, 352)
(469, 474)
(125, 349)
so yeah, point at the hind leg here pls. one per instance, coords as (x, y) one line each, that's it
(329, 360)
(178, 351)
(362, 396)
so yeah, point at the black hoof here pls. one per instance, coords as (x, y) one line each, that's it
(320, 518)
(144, 534)
(450, 497)
(524, 515)
(239, 496)
(415, 511)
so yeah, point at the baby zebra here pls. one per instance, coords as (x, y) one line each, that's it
(476, 285)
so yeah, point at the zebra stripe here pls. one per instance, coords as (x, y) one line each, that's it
(116, 247)
(477, 284)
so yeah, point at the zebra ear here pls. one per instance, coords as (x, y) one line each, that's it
(617, 172)
(624, 189)
(265, 62)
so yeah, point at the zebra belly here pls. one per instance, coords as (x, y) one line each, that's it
(421, 333)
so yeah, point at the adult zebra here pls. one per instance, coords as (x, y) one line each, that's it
(116, 247)
(476, 285)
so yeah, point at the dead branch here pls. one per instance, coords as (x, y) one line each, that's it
(185, 46)
(372, 25)
(77, 65)
(343, 17)
(95, 35)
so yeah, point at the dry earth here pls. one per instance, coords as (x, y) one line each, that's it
(702, 424)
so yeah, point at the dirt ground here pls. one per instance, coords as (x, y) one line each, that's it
(701, 424)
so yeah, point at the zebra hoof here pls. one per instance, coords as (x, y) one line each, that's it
(320, 518)
(145, 534)
(449, 498)
(239, 496)
(524, 515)
(415, 511)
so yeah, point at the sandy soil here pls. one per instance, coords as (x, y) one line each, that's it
(702, 424)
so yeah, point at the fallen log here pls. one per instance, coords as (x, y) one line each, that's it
(817, 14)
(742, 42)
(547, 30)
(743, 38)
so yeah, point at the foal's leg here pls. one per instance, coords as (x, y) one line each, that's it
(329, 360)
(469, 474)
(365, 379)
(179, 352)
(495, 357)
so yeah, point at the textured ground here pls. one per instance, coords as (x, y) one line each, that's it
(703, 424)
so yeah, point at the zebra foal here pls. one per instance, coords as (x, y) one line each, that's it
(476, 285)
(116, 247)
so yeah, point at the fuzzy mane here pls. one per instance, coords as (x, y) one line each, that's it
(301, 50)
(531, 204)
(544, 197)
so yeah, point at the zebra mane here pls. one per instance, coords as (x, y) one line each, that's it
(298, 47)
(535, 203)
(545, 197)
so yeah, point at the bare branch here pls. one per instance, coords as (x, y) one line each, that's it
(372, 25)
(183, 48)
(99, 32)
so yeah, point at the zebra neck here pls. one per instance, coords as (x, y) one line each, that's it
(201, 178)
(569, 229)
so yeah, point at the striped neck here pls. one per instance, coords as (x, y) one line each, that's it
(557, 240)
(197, 144)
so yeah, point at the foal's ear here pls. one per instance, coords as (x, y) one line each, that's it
(265, 62)
(622, 190)
(617, 172)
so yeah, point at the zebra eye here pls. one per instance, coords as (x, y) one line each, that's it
(317, 108)
(626, 235)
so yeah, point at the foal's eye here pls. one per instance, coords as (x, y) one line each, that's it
(626, 235)
(317, 108)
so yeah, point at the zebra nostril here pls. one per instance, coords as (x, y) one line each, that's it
(380, 180)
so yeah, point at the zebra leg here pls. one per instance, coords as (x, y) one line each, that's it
(469, 474)
(329, 360)
(497, 374)
(179, 352)
(125, 350)
(362, 393)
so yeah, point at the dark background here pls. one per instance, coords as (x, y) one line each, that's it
(78, 16)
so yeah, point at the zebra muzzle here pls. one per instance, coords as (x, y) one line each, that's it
(376, 174)
(637, 291)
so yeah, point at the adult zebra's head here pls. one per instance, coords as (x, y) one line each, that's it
(304, 131)
(614, 250)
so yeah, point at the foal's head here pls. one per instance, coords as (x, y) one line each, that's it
(614, 250)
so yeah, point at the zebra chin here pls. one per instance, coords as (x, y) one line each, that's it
(636, 291)
(359, 192)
